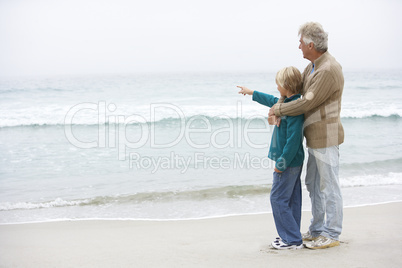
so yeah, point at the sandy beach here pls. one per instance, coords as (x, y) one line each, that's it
(372, 237)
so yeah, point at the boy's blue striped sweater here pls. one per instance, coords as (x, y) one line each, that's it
(287, 140)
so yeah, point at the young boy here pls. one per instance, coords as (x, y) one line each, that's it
(287, 151)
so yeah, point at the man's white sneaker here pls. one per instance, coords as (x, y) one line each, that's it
(322, 242)
(307, 236)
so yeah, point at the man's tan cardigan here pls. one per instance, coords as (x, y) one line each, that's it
(321, 103)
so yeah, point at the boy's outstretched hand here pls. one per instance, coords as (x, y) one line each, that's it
(245, 91)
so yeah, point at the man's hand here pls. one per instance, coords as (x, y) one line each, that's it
(277, 170)
(274, 120)
(272, 111)
(245, 91)
(278, 121)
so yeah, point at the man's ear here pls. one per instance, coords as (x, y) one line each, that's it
(311, 45)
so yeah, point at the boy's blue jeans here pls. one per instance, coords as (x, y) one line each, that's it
(286, 201)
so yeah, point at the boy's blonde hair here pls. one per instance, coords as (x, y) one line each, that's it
(290, 78)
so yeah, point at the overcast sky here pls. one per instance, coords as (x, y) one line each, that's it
(122, 36)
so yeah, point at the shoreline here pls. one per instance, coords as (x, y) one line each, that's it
(372, 237)
(183, 219)
(352, 197)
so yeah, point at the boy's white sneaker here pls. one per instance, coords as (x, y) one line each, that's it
(279, 244)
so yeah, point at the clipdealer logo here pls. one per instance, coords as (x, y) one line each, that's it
(117, 131)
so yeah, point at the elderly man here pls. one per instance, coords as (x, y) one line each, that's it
(321, 105)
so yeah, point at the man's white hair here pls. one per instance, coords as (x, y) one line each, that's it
(312, 32)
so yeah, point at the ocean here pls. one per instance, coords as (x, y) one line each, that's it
(174, 146)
